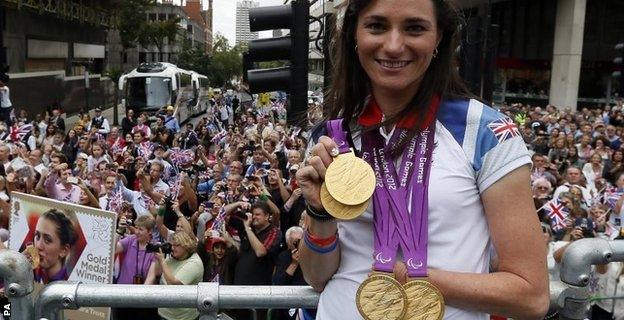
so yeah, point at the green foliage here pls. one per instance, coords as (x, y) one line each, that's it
(227, 62)
(193, 58)
(131, 20)
(221, 66)
(114, 74)
(272, 64)
(156, 32)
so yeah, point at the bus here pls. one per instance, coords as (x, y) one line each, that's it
(201, 89)
(155, 85)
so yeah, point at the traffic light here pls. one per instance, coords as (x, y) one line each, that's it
(618, 61)
(294, 47)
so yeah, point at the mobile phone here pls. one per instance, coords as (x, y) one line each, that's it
(72, 180)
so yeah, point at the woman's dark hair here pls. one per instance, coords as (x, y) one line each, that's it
(64, 226)
(351, 85)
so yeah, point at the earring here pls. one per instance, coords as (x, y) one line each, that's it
(356, 47)
(435, 52)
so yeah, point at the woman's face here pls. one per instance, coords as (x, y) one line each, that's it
(71, 133)
(84, 198)
(143, 235)
(596, 159)
(599, 144)
(177, 251)
(48, 243)
(618, 156)
(395, 42)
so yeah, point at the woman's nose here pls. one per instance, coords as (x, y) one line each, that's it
(394, 43)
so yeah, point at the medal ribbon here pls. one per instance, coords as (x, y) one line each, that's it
(393, 223)
(335, 131)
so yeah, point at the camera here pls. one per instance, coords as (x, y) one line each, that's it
(168, 203)
(586, 225)
(154, 247)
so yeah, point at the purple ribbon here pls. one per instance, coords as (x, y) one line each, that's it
(393, 223)
(335, 131)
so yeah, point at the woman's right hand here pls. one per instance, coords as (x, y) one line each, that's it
(311, 177)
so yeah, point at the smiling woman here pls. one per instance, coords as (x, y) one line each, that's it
(422, 248)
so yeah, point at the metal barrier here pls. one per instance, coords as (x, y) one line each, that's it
(208, 298)
(573, 302)
(18, 282)
(569, 298)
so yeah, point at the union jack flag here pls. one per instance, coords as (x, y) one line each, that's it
(557, 212)
(611, 196)
(18, 133)
(504, 129)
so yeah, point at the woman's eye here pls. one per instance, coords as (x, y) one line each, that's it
(415, 28)
(375, 26)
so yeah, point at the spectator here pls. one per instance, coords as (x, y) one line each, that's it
(99, 122)
(128, 122)
(171, 122)
(183, 267)
(6, 107)
(138, 264)
(259, 246)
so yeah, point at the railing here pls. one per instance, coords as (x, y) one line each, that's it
(568, 297)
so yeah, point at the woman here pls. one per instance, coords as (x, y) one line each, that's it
(54, 237)
(584, 148)
(137, 265)
(392, 59)
(558, 154)
(183, 267)
(48, 140)
(601, 147)
(614, 167)
(592, 171)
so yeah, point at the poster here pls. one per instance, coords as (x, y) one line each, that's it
(64, 241)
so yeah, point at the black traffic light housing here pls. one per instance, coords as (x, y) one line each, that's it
(294, 47)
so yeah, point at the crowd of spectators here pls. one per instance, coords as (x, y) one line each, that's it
(216, 201)
(578, 185)
(219, 201)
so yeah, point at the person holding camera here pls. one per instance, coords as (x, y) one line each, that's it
(182, 267)
(260, 241)
(137, 264)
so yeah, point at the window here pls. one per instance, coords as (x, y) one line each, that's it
(189, 28)
(142, 57)
(152, 17)
(162, 16)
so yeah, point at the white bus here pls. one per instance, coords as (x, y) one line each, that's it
(153, 86)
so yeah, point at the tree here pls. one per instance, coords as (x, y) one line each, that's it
(223, 65)
(227, 62)
(155, 33)
(193, 58)
(131, 21)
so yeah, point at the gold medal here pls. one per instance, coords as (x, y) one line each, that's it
(350, 180)
(381, 297)
(34, 256)
(339, 210)
(424, 301)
